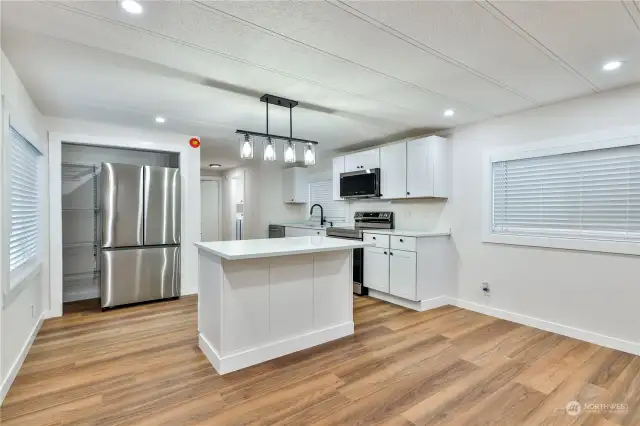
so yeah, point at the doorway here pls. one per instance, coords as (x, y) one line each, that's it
(211, 206)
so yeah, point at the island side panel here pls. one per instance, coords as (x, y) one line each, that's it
(245, 292)
(291, 296)
(210, 299)
(333, 289)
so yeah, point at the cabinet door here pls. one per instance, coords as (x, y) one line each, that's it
(362, 160)
(393, 170)
(338, 167)
(402, 274)
(300, 185)
(376, 269)
(294, 232)
(419, 169)
(288, 186)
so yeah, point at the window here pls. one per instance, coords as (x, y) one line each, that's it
(322, 193)
(583, 194)
(25, 201)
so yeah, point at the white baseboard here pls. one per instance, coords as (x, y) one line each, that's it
(420, 305)
(15, 368)
(564, 330)
(253, 356)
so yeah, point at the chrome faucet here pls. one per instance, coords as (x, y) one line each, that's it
(322, 219)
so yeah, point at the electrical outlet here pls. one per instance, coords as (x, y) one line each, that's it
(486, 289)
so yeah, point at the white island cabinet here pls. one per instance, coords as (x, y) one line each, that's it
(262, 299)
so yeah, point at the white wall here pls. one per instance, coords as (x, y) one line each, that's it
(102, 134)
(263, 199)
(22, 309)
(595, 292)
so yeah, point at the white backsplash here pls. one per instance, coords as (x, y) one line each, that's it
(419, 214)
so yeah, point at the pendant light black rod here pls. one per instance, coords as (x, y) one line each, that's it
(267, 104)
(290, 123)
(268, 135)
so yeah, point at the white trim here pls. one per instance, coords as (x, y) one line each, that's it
(564, 330)
(15, 368)
(611, 138)
(420, 305)
(253, 356)
(189, 170)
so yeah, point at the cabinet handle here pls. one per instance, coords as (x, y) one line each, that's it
(401, 240)
(373, 238)
(408, 193)
(391, 253)
(385, 252)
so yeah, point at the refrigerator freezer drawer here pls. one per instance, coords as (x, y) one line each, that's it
(161, 205)
(139, 275)
(122, 208)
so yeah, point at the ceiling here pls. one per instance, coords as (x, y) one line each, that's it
(363, 72)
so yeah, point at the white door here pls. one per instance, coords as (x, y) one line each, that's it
(402, 273)
(376, 269)
(210, 207)
(393, 170)
(419, 169)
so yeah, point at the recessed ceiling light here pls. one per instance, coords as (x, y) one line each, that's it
(131, 6)
(449, 113)
(612, 65)
(214, 165)
(160, 119)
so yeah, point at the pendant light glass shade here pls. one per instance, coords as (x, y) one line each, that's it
(310, 155)
(289, 152)
(269, 150)
(246, 147)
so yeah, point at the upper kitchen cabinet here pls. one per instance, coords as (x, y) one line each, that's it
(363, 160)
(428, 167)
(338, 167)
(393, 170)
(295, 187)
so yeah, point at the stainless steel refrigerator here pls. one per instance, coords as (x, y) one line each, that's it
(140, 234)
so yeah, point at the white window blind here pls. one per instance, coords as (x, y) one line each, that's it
(590, 195)
(322, 193)
(25, 201)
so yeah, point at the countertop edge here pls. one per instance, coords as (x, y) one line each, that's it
(278, 254)
(416, 234)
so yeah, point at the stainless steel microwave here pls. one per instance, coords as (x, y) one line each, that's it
(360, 184)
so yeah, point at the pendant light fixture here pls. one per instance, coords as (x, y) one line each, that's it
(289, 152)
(310, 155)
(269, 144)
(246, 148)
(269, 150)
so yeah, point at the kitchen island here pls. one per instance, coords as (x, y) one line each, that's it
(262, 299)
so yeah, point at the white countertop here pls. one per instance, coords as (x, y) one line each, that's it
(271, 247)
(403, 233)
(303, 225)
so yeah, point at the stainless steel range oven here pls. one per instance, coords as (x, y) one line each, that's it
(363, 221)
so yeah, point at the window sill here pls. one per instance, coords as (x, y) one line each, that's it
(577, 244)
(18, 280)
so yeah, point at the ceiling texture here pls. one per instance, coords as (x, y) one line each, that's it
(363, 72)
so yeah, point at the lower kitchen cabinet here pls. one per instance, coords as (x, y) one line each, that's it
(402, 274)
(376, 268)
(409, 270)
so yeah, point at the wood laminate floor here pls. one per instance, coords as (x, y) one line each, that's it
(448, 366)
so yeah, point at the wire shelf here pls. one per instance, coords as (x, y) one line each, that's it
(81, 275)
(72, 171)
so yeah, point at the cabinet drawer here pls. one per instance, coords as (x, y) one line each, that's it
(381, 241)
(403, 243)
